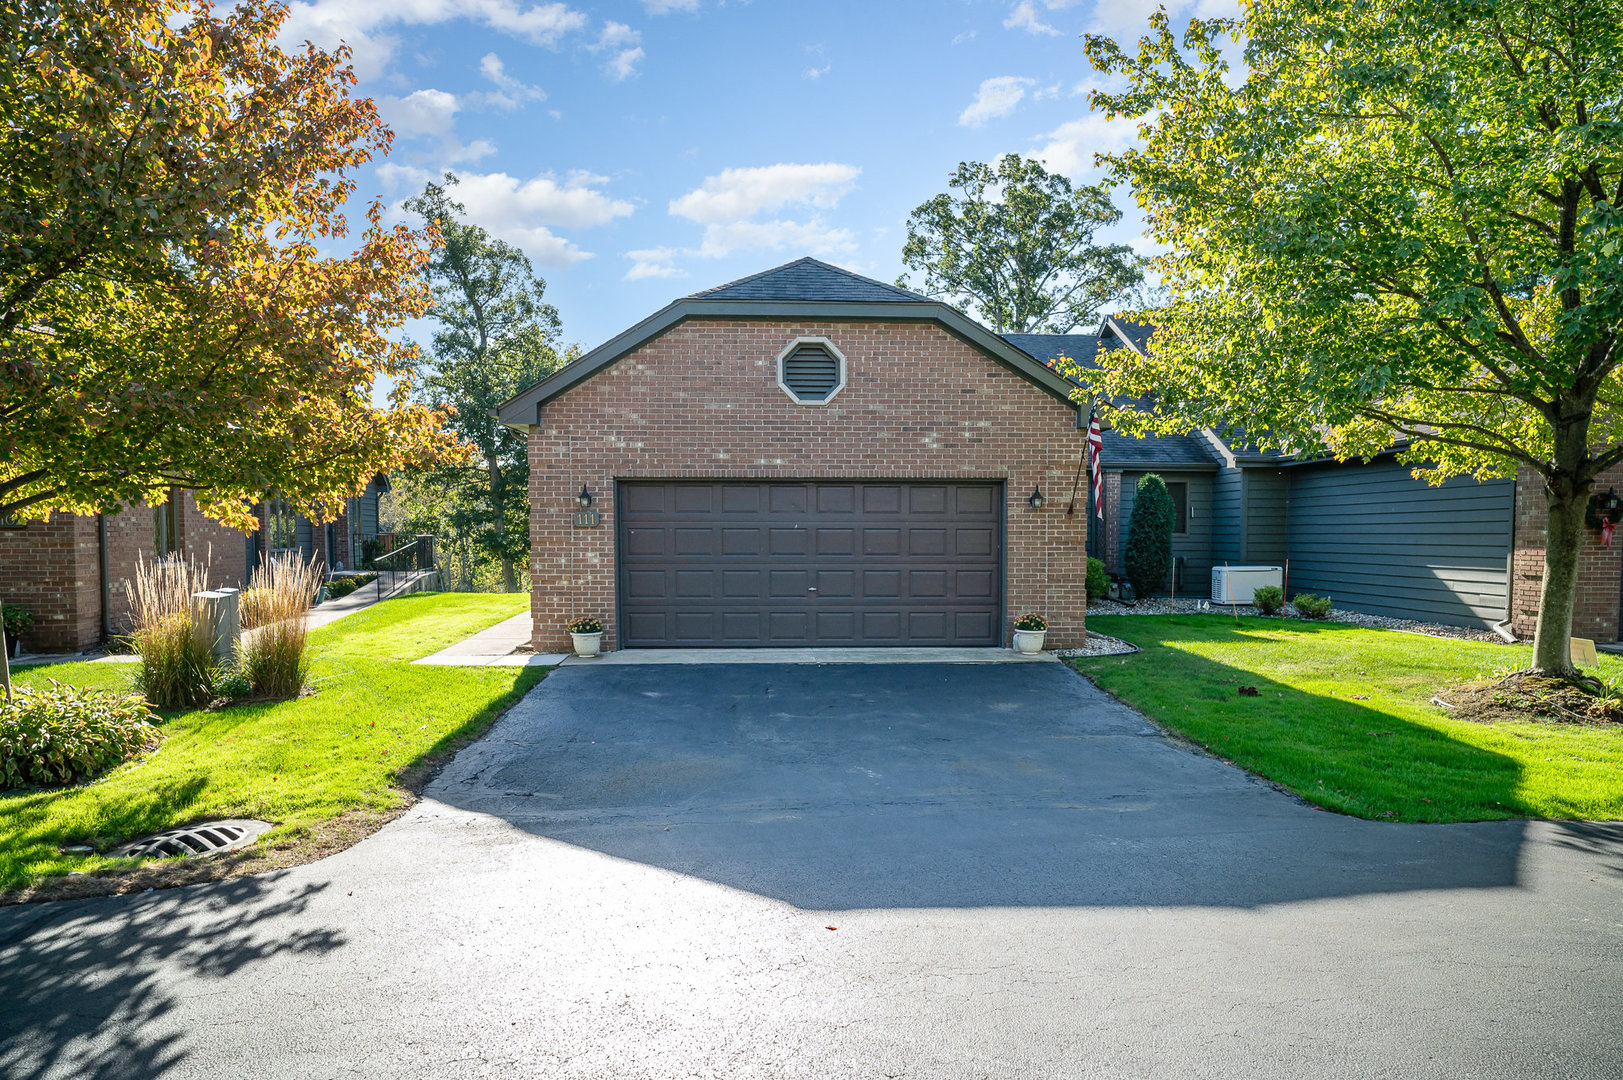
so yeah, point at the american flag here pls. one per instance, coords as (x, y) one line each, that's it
(1096, 474)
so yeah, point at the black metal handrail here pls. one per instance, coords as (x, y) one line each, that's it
(422, 558)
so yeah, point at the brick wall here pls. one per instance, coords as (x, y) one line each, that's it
(1600, 569)
(702, 401)
(1115, 526)
(49, 567)
(53, 569)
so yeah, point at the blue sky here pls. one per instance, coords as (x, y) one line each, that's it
(639, 151)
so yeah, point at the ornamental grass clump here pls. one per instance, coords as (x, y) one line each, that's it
(64, 734)
(177, 653)
(274, 656)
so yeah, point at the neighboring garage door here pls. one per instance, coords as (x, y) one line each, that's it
(828, 563)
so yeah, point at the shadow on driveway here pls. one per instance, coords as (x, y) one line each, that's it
(869, 786)
(88, 985)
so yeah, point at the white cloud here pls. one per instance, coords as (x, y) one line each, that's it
(362, 24)
(738, 194)
(623, 42)
(1024, 17)
(521, 211)
(967, 35)
(665, 7)
(653, 263)
(1069, 148)
(729, 204)
(431, 114)
(996, 97)
(423, 112)
(818, 72)
(510, 90)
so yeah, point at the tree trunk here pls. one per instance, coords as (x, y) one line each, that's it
(498, 512)
(1563, 537)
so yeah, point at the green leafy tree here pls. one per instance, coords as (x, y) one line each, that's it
(496, 336)
(1400, 227)
(1148, 557)
(167, 179)
(1016, 246)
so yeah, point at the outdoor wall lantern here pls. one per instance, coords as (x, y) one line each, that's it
(1035, 500)
(584, 498)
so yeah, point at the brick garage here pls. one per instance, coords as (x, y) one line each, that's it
(693, 394)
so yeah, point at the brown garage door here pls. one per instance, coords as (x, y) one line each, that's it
(744, 563)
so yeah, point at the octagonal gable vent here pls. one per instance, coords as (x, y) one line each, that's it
(811, 372)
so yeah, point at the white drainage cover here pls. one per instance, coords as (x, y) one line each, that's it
(209, 838)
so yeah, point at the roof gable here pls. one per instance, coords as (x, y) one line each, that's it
(777, 294)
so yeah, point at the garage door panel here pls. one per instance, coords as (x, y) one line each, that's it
(742, 542)
(926, 584)
(645, 584)
(926, 541)
(693, 541)
(974, 541)
(973, 585)
(787, 542)
(836, 542)
(778, 563)
(695, 583)
(649, 541)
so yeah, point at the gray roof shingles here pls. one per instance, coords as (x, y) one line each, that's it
(1120, 451)
(810, 279)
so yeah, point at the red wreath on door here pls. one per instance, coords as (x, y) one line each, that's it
(1603, 513)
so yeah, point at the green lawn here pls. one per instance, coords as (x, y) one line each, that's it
(297, 763)
(1342, 718)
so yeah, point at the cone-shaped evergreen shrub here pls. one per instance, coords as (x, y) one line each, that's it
(1149, 537)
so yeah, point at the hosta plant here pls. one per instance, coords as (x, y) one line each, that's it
(63, 735)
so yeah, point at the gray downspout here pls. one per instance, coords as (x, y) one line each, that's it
(106, 585)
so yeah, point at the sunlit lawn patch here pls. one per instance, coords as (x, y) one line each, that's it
(296, 763)
(1342, 717)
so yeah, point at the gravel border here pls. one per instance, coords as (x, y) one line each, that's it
(1099, 645)
(1161, 605)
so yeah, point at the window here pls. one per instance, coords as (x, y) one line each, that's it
(279, 526)
(166, 525)
(811, 371)
(1179, 490)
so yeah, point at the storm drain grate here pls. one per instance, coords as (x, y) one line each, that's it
(209, 838)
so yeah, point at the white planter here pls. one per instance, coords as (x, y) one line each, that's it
(1029, 641)
(587, 644)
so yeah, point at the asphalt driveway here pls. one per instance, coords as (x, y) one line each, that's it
(830, 871)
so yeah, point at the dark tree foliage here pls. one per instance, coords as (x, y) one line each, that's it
(1149, 539)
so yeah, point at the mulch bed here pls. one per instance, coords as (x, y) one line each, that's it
(1525, 696)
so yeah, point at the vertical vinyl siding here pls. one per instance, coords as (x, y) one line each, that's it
(1377, 540)
(1225, 518)
(1194, 546)
(1267, 496)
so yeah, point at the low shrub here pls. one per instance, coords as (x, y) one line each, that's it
(64, 735)
(341, 587)
(1309, 606)
(1269, 599)
(234, 685)
(18, 620)
(1098, 580)
(1031, 621)
(176, 650)
(274, 656)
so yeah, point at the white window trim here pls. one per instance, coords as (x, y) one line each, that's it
(832, 350)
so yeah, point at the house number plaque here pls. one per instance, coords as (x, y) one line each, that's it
(586, 519)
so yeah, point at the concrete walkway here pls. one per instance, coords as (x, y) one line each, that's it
(495, 647)
(813, 656)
